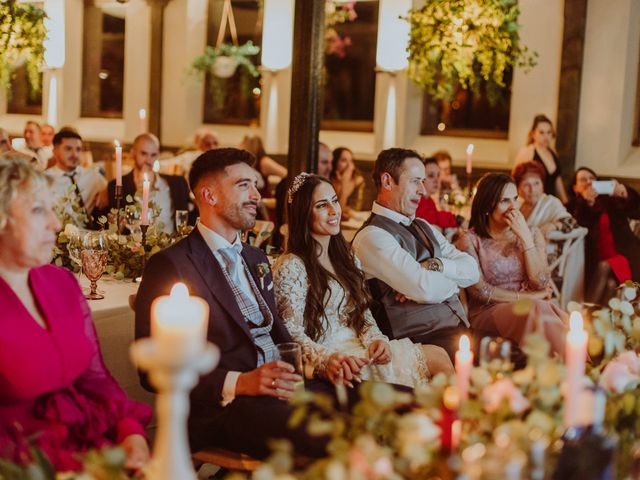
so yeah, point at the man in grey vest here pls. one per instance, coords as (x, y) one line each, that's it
(413, 272)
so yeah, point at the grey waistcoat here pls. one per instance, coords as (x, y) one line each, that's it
(411, 319)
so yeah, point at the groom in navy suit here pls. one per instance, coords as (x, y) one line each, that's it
(241, 404)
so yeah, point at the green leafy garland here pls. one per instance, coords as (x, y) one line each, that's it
(465, 43)
(22, 35)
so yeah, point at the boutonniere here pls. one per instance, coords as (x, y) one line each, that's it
(263, 270)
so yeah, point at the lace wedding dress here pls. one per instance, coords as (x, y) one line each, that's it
(408, 365)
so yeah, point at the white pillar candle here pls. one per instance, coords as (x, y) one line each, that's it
(145, 201)
(469, 158)
(118, 148)
(179, 324)
(464, 362)
(576, 357)
(142, 118)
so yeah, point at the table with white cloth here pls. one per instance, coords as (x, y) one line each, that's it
(115, 324)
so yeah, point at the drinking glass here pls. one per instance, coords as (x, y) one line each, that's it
(94, 260)
(182, 219)
(132, 219)
(74, 247)
(291, 353)
(495, 353)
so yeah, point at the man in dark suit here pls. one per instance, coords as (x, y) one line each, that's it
(240, 405)
(168, 192)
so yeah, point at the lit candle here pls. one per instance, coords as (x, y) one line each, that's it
(118, 163)
(464, 362)
(142, 117)
(145, 201)
(469, 158)
(179, 324)
(576, 357)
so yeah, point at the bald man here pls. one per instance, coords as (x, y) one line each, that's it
(168, 192)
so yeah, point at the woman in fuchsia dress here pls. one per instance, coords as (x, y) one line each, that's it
(55, 391)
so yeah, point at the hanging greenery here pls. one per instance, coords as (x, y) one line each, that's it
(465, 43)
(22, 35)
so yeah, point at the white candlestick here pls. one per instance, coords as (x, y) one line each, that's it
(576, 357)
(469, 158)
(118, 163)
(464, 362)
(145, 201)
(142, 117)
(179, 323)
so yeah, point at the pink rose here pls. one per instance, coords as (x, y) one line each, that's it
(616, 376)
(631, 360)
(494, 394)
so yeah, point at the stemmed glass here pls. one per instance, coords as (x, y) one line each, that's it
(495, 353)
(94, 260)
(132, 219)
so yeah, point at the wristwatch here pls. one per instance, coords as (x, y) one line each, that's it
(435, 265)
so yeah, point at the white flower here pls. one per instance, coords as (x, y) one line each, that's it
(626, 308)
(493, 395)
(614, 303)
(629, 293)
(631, 360)
(621, 373)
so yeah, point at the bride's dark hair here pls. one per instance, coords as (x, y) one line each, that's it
(302, 244)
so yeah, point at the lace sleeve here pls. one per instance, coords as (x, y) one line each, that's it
(129, 417)
(481, 291)
(290, 281)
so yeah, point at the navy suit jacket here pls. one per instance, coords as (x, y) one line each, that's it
(191, 261)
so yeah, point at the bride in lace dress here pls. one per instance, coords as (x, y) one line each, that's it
(513, 267)
(322, 298)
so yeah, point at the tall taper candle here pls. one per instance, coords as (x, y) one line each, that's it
(118, 163)
(464, 362)
(575, 357)
(469, 167)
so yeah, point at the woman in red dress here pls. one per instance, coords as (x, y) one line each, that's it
(55, 391)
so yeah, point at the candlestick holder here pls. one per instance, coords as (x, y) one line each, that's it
(144, 229)
(118, 198)
(174, 378)
(469, 186)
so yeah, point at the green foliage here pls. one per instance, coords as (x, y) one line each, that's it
(240, 53)
(22, 34)
(465, 43)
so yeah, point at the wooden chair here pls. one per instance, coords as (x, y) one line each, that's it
(236, 462)
(567, 265)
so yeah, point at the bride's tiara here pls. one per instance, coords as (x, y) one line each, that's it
(296, 184)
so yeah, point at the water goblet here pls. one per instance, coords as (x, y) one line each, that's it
(94, 261)
(495, 353)
(182, 219)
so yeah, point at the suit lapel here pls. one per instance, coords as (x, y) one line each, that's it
(213, 277)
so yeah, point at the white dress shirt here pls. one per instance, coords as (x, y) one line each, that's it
(90, 183)
(217, 242)
(162, 198)
(384, 258)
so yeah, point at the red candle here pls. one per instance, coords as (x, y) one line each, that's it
(449, 422)
(145, 200)
(118, 163)
(469, 159)
(576, 357)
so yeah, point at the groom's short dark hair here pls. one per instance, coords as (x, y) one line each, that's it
(215, 161)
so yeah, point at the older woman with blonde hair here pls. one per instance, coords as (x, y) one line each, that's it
(55, 391)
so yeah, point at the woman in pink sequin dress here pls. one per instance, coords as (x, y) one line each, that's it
(513, 267)
(55, 391)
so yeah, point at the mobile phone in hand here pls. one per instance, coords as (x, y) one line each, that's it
(603, 187)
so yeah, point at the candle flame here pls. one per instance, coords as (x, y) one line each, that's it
(156, 166)
(470, 148)
(575, 322)
(464, 345)
(179, 291)
(142, 113)
(116, 143)
(451, 398)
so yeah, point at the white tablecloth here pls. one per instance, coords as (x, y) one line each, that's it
(115, 323)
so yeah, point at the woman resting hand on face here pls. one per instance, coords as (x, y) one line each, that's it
(322, 297)
(513, 267)
(55, 391)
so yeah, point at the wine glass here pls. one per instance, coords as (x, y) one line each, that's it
(132, 218)
(182, 218)
(495, 353)
(94, 261)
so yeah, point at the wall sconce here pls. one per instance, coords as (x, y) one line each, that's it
(393, 35)
(277, 34)
(54, 45)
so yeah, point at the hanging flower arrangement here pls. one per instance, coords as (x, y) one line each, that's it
(465, 43)
(22, 34)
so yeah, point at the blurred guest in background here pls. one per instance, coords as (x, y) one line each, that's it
(34, 146)
(344, 178)
(448, 180)
(55, 391)
(204, 140)
(427, 208)
(540, 149)
(265, 165)
(74, 185)
(612, 250)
